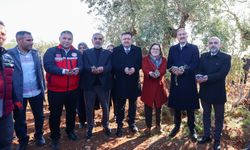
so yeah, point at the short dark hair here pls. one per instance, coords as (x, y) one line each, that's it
(20, 34)
(84, 44)
(127, 33)
(66, 32)
(1, 23)
(149, 52)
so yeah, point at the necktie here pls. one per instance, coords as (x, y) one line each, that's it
(126, 50)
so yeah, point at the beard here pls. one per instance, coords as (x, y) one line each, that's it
(214, 50)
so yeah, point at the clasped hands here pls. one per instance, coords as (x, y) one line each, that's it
(201, 78)
(71, 72)
(177, 70)
(97, 70)
(154, 74)
(129, 71)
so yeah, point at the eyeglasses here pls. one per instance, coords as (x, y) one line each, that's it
(95, 38)
(213, 43)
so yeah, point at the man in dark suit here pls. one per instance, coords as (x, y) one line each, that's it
(214, 67)
(126, 62)
(183, 60)
(97, 82)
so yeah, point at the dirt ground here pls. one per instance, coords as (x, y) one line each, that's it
(130, 141)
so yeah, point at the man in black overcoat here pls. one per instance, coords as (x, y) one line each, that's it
(183, 60)
(126, 63)
(213, 69)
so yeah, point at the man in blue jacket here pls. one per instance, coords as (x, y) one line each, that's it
(214, 67)
(28, 84)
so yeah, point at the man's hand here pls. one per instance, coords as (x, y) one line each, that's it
(126, 70)
(100, 69)
(75, 71)
(131, 71)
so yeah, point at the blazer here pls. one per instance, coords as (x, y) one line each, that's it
(18, 73)
(89, 60)
(216, 68)
(126, 86)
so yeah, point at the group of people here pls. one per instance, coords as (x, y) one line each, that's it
(79, 78)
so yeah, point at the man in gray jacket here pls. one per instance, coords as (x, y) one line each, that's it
(28, 84)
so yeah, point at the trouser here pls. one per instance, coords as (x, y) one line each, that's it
(81, 107)
(103, 97)
(190, 116)
(219, 118)
(148, 115)
(56, 102)
(6, 132)
(120, 112)
(36, 104)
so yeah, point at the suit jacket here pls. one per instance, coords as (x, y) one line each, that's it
(216, 68)
(18, 73)
(184, 95)
(154, 90)
(89, 60)
(126, 86)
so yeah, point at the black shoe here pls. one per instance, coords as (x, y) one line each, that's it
(216, 145)
(40, 141)
(72, 136)
(107, 131)
(119, 132)
(204, 140)
(193, 135)
(55, 144)
(174, 131)
(23, 143)
(133, 128)
(22, 146)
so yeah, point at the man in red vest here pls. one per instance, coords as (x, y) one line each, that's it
(6, 102)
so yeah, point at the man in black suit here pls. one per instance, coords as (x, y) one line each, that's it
(213, 69)
(126, 62)
(97, 82)
(183, 61)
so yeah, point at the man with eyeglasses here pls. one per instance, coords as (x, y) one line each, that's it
(126, 62)
(97, 82)
(213, 69)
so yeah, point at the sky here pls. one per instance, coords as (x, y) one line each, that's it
(46, 19)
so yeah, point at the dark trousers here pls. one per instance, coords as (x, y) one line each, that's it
(6, 132)
(219, 118)
(56, 102)
(90, 98)
(36, 104)
(81, 107)
(148, 115)
(190, 118)
(120, 112)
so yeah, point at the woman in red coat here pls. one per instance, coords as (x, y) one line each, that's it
(154, 93)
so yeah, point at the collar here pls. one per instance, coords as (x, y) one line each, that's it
(61, 47)
(129, 48)
(22, 52)
(2, 50)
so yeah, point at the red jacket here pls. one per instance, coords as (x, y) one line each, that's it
(55, 60)
(154, 89)
(6, 84)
